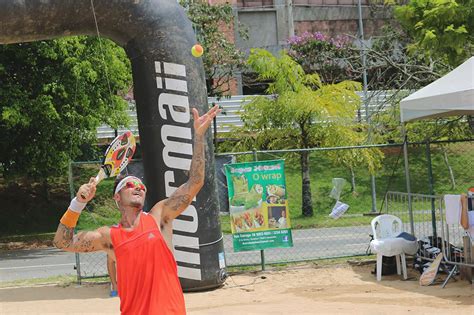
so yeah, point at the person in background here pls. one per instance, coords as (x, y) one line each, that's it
(112, 274)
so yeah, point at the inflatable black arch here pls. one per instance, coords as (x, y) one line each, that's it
(168, 81)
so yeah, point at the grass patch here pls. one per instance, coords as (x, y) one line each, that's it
(390, 177)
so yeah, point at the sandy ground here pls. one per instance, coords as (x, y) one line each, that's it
(297, 290)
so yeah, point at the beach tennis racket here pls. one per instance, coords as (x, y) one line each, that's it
(429, 275)
(117, 156)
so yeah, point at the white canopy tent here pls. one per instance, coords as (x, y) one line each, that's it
(450, 95)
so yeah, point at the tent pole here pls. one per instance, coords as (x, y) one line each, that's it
(431, 185)
(407, 178)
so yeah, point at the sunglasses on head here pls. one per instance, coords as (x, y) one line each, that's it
(135, 184)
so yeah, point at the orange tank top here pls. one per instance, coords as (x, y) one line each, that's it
(147, 275)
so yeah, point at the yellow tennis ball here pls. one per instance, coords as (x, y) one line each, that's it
(197, 51)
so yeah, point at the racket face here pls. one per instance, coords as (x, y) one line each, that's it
(118, 154)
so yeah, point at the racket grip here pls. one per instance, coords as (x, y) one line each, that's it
(83, 196)
(98, 178)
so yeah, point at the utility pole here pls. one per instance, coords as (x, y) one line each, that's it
(366, 103)
(289, 15)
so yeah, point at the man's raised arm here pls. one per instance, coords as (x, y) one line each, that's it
(86, 241)
(183, 196)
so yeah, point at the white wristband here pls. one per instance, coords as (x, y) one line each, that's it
(77, 206)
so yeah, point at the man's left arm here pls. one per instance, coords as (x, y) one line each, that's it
(168, 209)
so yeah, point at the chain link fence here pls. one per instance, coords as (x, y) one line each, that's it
(321, 236)
(324, 237)
(435, 235)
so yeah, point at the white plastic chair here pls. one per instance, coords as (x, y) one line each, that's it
(386, 228)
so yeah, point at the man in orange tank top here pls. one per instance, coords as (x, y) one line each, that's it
(141, 244)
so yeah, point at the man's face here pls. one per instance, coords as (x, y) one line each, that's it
(132, 194)
(283, 214)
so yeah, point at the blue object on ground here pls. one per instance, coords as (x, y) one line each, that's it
(407, 236)
(113, 293)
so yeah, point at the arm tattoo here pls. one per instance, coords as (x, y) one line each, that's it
(197, 170)
(81, 242)
(177, 202)
(64, 236)
(182, 197)
(198, 162)
(83, 245)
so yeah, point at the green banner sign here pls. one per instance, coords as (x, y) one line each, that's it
(258, 205)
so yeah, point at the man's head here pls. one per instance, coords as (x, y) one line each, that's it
(283, 213)
(129, 191)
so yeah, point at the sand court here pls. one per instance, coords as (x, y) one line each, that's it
(305, 289)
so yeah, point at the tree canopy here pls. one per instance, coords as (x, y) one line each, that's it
(388, 64)
(299, 112)
(333, 58)
(53, 96)
(440, 28)
(389, 128)
(298, 99)
(213, 24)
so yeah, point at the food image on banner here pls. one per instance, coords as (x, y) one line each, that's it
(258, 205)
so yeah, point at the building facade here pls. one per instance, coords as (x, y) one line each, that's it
(270, 23)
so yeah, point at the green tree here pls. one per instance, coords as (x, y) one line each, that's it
(443, 128)
(53, 96)
(352, 158)
(389, 129)
(440, 28)
(214, 26)
(334, 59)
(300, 112)
(388, 65)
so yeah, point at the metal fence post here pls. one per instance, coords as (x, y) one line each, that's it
(72, 193)
(431, 186)
(262, 253)
(443, 226)
(407, 178)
